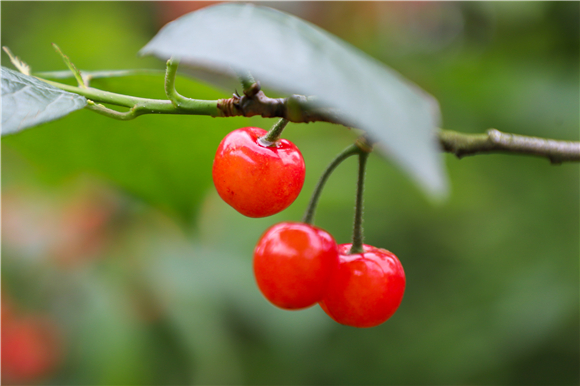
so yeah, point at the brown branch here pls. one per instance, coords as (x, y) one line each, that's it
(298, 108)
(494, 141)
(295, 108)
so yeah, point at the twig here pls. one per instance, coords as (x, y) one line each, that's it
(298, 108)
(295, 108)
(494, 141)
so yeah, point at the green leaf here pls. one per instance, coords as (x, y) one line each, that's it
(293, 56)
(27, 102)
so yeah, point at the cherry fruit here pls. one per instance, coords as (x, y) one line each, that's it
(293, 263)
(257, 179)
(367, 288)
(31, 349)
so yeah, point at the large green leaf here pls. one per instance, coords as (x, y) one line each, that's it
(293, 56)
(27, 102)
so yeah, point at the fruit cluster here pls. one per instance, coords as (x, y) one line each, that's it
(298, 265)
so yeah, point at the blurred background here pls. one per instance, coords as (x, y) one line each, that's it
(121, 265)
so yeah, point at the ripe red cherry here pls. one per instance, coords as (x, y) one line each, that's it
(31, 348)
(367, 288)
(293, 263)
(255, 179)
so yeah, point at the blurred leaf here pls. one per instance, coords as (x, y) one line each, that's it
(164, 160)
(110, 347)
(291, 55)
(27, 102)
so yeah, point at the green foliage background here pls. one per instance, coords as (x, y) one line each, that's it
(167, 295)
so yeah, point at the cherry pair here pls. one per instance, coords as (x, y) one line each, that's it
(297, 265)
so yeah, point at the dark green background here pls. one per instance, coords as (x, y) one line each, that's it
(167, 296)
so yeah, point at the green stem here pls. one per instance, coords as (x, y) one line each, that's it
(274, 134)
(144, 105)
(170, 73)
(71, 66)
(176, 98)
(357, 233)
(122, 116)
(309, 214)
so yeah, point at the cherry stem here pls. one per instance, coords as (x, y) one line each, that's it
(274, 134)
(357, 233)
(309, 214)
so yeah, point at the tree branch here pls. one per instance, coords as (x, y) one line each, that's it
(494, 141)
(295, 108)
(298, 108)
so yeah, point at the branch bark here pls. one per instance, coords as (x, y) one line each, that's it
(298, 108)
(295, 108)
(494, 141)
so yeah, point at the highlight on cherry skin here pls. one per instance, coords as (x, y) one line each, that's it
(293, 264)
(255, 179)
(367, 288)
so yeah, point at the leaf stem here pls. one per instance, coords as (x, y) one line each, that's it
(357, 233)
(122, 116)
(177, 99)
(310, 210)
(71, 66)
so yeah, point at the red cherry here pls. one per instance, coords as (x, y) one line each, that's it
(30, 349)
(293, 263)
(367, 288)
(255, 179)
